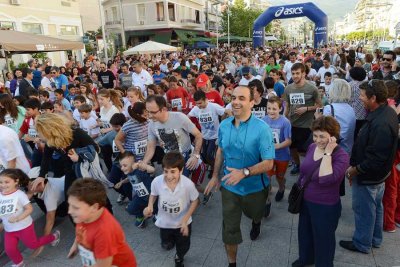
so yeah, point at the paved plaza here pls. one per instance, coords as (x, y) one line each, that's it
(276, 246)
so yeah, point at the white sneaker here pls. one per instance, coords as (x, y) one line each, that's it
(57, 235)
(120, 199)
(398, 225)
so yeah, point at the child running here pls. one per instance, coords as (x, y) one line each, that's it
(141, 183)
(100, 240)
(281, 132)
(178, 200)
(15, 211)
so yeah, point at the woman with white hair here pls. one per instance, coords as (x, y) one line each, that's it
(339, 107)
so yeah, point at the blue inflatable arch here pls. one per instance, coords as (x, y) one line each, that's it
(292, 11)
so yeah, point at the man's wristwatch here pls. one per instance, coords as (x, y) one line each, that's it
(246, 172)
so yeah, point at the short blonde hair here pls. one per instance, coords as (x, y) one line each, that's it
(56, 129)
(340, 91)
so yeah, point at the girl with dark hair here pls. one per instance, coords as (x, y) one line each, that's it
(11, 114)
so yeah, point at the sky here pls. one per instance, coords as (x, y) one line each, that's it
(335, 9)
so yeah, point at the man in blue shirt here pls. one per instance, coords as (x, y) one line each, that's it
(247, 150)
(60, 80)
(37, 74)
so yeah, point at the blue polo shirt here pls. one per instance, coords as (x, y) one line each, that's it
(243, 147)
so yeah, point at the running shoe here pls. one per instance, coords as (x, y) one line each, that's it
(21, 264)
(295, 170)
(167, 246)
(178, 261)
(207, 198)
(390, 231)
(255, 230)
(140, 222)
(57, 236)
(121, 199)
(279, 195)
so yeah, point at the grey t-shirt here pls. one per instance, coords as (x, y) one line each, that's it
(125, 79)
(297, 97)
(173, 135)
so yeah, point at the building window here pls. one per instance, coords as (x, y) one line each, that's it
(69, 30)
(141, 8)
(7, 25)
(197, 15)
(160, 11)
(35, 28)
(171, 11)
(114, 13)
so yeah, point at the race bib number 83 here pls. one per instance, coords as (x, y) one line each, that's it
(8, 206)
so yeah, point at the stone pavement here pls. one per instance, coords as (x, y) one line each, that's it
(276, 246)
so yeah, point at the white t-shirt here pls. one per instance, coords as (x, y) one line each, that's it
(287, 69)
(142, 79)
(46, 84)
(312, 74)
(172, 206)
(77, 116)
(89, 126)
(13, 205)
(53, 194)
(208, 119)
(10, 148)
(106, 114)
(323, 70)
(246, 82)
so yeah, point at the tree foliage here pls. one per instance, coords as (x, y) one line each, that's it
(368, 35)
(241, 19)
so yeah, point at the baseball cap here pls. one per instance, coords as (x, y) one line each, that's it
(245, 70)
(202, 80)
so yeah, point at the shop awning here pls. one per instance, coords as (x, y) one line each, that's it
(184, 35)
(163, 37)
(23, 42)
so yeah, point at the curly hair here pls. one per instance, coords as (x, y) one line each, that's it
(55, 129)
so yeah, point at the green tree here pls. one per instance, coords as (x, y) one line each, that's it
(241, 19)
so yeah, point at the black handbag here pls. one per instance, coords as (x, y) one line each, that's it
(296, 194)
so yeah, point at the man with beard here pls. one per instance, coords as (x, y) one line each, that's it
(302, 100)
(388, 67)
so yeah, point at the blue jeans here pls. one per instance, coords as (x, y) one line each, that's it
(316, 233)
(368, 215)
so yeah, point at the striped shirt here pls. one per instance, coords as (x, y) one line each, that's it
(135, 137)
(355, 102)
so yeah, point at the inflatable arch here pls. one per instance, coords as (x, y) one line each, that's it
(292, 11)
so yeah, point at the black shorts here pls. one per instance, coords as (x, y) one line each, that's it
(300, 136)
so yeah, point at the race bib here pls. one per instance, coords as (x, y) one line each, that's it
(176, 103)
(174, 207)
(87, 256)
(140, 189)
(105, 79)
(275, 135)
(8, 205)
(32, 132)
(140, 147)
(115, 148)
(10, 121)
(258, 113)
(297, 99)
(205, 118)
(106, 124)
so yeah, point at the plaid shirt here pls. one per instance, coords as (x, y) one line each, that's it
(355, 102)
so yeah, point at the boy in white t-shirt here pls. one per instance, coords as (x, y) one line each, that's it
(178, 199)
(88, 123)
(79, 100)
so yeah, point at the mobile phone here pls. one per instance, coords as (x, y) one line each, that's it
(320, 110)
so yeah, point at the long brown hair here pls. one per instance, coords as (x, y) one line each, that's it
(9, 106)
(113, 96)
(136, 111)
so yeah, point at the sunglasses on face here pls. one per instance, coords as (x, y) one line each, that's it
(386, 59)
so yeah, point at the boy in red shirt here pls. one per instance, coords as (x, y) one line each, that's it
(99, 240)
(177, 96)
(204, 84)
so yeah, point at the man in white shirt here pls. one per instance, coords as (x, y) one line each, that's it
(325, 68)
(140, 77)
(11, 152)
(48, 84)
(247, 76)
(287, 68)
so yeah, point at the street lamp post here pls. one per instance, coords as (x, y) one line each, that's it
(103, 32)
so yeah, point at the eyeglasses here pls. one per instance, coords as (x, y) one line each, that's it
(153, 112)
(386, 59)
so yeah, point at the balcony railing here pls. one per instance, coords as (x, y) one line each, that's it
(190, 21)
(113, 22)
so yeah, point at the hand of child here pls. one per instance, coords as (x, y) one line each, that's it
(118, 185)
(148, 212)
(184, 229)
(13, 219)
(73, 251)
(73, 156)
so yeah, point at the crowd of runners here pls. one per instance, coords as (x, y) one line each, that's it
(168, 131)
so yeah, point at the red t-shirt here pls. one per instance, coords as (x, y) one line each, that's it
(105, 238)
(28, 123)
(214, 97)
(177, 97)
